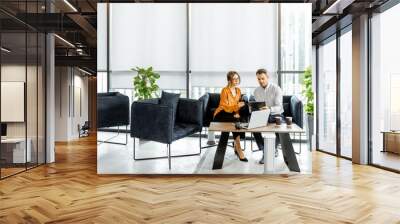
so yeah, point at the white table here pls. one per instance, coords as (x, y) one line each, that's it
(18, 151)
(282, 130)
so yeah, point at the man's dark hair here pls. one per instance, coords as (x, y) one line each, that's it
(261, 71)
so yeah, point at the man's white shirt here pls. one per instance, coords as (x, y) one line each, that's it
(272, 96)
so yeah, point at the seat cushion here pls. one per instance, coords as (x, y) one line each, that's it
(182, 130)
(170, 99)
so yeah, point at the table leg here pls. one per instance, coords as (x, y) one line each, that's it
(220, 153)
(288, 153)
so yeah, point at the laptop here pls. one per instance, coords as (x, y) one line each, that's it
(255, 106)
(257, 119)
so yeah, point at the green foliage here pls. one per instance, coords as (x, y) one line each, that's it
(144, 83)
(308, 92)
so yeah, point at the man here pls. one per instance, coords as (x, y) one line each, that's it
(271, 94)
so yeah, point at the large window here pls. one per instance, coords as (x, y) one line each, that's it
(346, 94)
(193, 45)
(327, 97)
(385, 84)
(223, 37)
(295, 41)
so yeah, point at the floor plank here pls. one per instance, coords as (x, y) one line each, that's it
(70, 191)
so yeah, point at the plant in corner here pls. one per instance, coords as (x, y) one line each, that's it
(144, 83)
(309, 106)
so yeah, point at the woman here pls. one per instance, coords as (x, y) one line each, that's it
(230, 107)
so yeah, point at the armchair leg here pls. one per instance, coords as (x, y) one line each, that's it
(169, 156)
(117, 143)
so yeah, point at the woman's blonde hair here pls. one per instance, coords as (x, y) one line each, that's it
(231, 74)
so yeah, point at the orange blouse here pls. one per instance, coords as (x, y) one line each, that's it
(228, 102)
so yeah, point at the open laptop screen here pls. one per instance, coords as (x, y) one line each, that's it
(255, 106)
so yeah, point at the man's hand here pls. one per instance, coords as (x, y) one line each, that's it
(241, 104)
(236, 116)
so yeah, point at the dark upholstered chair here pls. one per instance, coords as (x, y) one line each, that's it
(210, 104)
(156, 122)
(112, 111)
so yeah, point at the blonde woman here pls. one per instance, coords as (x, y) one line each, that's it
(230, 107)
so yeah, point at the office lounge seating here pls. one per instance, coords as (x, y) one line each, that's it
(210, 104)
(157, 122)
(113, 111)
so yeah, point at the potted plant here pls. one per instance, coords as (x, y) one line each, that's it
(309, 105)
(144, 83)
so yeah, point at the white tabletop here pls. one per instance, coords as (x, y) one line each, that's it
(271, 128)
(13, 140)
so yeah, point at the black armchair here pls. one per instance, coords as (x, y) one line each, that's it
(156, 122)
(113, 110)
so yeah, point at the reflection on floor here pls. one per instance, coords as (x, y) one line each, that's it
(387, 159)
(118, 159)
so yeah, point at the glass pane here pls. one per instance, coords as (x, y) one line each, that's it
(31, 100)
(295, 36)
(148, 35)
(385, 86)
(346, 94)
(224, 37)
(327, 97)
(13, 86)
(233, 37)
(292, 84)
(41, 98)
(213, 82)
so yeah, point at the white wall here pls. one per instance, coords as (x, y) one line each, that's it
(71, 87)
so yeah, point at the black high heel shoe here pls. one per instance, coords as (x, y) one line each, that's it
(243, 160)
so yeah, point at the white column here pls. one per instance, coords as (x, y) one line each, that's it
(50, 99)
(360, 90)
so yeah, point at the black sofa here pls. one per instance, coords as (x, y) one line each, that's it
(112, 111)
(210, 104)
(156, 122)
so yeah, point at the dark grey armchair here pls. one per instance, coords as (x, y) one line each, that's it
(156, 122)
(112, 111)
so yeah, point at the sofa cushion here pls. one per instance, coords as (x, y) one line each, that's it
(182, 130)
(214, 100)
(170, 99)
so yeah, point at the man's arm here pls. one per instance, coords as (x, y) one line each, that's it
(278, 105)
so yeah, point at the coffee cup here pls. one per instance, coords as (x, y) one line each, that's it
(278, 120)
(289, 121)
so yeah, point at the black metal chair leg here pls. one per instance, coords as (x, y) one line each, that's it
(169, 156)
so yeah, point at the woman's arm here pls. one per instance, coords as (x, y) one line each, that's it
(225, 104)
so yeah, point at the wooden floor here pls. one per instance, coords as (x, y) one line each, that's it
(70, 191)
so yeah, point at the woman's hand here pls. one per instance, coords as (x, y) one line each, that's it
(241, 104)
(236, 116)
